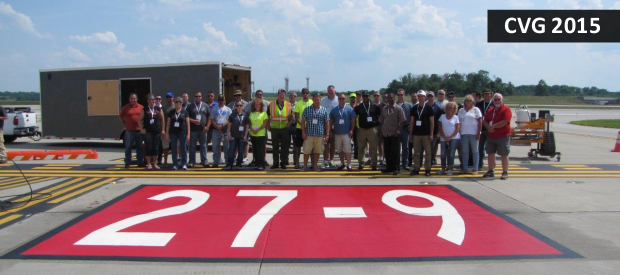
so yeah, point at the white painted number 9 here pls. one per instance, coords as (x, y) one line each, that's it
(109, 235)
(452, 227)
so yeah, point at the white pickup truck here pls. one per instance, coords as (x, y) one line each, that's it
(21, 122)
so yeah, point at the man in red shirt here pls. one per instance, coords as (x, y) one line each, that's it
(129, 116)
(497, 122)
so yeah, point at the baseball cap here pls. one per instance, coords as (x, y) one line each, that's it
(237, 92)
(421, 92)
(352, 95)
(170, 95)
(430, 93)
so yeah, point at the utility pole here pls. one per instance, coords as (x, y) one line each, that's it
(308, 82)
(286, 83)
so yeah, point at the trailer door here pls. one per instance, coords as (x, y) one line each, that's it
(102, 97)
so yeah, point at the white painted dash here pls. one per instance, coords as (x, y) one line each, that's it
(344, 212)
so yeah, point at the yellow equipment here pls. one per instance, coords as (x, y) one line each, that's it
(530, 130)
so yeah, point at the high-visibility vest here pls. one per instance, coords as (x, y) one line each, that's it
(279, 118)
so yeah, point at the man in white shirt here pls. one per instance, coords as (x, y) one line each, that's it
(329, 102)
(441, 98)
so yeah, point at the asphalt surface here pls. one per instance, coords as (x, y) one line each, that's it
(572, 202)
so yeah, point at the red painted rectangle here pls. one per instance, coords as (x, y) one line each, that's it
(211, 222)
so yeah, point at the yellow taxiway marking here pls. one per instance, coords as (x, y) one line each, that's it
(80, 191)
(24, 183)
(9, 218)
(52, 168)
(569, 165)
(63, 165)
(582, 168)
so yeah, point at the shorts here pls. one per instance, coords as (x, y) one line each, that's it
(315, 143)
(379, 136)
(298, 141)
(501, 146)
(343, 143)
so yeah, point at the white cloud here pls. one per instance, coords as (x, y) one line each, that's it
(219, 35)
(520, 3)
(252, 30)
(575, 4)
(291, 10)
(22, 21)
(77, 55)
(616, 6)
(479, 21)
(174, 2)
(99, 37)
(426, 19)
(172, 22)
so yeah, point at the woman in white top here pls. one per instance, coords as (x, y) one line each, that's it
(449, 132)
(471, 125)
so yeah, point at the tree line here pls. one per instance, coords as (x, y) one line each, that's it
(462, 84)
(20, 96)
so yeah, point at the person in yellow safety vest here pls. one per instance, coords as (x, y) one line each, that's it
(280, 118)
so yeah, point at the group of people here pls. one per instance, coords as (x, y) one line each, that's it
(389, 130)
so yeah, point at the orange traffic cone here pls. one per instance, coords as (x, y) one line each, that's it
(617, 148)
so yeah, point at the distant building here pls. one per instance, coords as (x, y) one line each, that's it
(601, 100)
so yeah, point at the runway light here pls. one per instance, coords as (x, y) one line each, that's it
(271, 183)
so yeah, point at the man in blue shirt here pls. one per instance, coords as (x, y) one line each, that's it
(343, 118)
(314, 131)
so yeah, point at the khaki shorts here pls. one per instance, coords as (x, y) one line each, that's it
(315, 143)
(501, 146)
(343, 143)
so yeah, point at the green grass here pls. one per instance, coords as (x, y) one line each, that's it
(543, 100)
(604, 123)
(18, 103)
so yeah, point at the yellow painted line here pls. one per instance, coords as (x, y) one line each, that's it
(10, 179)
(51, 168)
(17, 180)
(62, 165)
(9, 218)
(80, 191)
(31, 182)
(582, 168)
(569, 165)
(25, 198)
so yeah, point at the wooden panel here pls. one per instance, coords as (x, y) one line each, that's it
(102, 97)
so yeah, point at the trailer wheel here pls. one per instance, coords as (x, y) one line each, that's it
(9, 139)
(548, 146)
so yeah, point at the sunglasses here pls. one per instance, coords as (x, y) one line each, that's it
(159, 98)
(497, 99)
(342, 99)
(238, 105)
(400, 94)
(197, 96)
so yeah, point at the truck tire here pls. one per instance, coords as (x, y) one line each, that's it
(9, 139)
(548, 147)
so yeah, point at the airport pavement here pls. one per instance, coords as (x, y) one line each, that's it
(571, 204)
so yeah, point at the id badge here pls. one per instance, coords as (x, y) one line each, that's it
(176, 124)
(418, 123)
(240, 128)
(198, 117)
(341, 121)
(491, 123)
(256, 128)
(220, 121)
(151, 121)
(315, 121)
(369, 119)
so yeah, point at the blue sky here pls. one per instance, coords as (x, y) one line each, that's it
(352, 44)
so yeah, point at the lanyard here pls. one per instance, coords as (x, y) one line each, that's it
(240, 119)
(152, 112)
(219, 112)
(340, 111)
(177, 115)
(420, 111)
(198, 106)
(486, 107)
(388, 110)
(367, 110)
(494, 110)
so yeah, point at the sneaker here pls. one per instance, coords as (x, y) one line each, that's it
(360, 167)
(473, 173)
(326, 164)
(245, 161)
(427, 173)
(175, 168)
(504, 175)
(331, 164)
(381, 162)
(489, 174)
(341, 167)
(253, 163)
(190, 165)
(261, 168)
(205, 165)
(449, 172)
(441, 172)
(414, 173)
(349, 168)
(283, 166)
(367, 162)
(184, 167)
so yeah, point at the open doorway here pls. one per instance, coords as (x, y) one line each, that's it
(140, 86)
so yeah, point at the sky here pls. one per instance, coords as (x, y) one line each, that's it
(352, 44)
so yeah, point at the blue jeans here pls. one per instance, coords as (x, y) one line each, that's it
(469, 142)
(404, 144)
(181, 139)
(202, 140)
(235, 145)
(133, 137)
(216, 141)
(448, 150)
